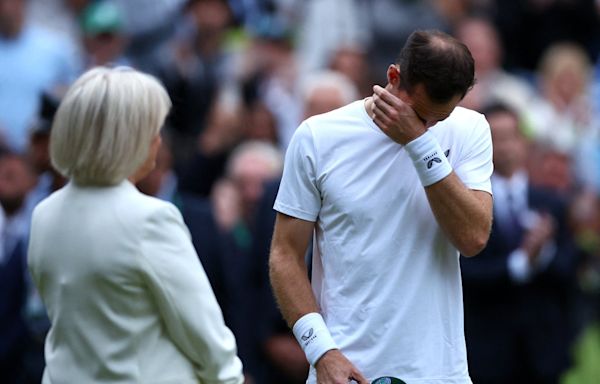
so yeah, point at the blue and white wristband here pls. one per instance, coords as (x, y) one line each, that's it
(428, 158)
(313, 336)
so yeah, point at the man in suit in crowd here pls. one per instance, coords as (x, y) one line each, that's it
(516, 291)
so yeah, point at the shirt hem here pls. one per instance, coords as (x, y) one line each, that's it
(297, 213)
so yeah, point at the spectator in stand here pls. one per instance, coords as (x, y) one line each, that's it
(493, 82)
(193, 65)
(235, 200)
(270, 61)
(517, 291)
(326, 25)
(222, 133)
(551, 168)
(104, 37)
(48, 178)
(259, 123)
(16, 180)
(149, 26)
(61, 17)
(325, 91)
(352, 61)
(32, 60)
(564, 116)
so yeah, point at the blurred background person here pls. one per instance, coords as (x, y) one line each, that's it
(233, 204)
(140, 309)
(353, 62)
(48, 179)
(32, 60)
(60, 17)
(564, 115)
(16, 180)
(493, 81)
(552, 168)
(149, 26)
(104, 38)
(208, 152)
(269, 61)
(518, 291)
(192, 65)
(325, 91)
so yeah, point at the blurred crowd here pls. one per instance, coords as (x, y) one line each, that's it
(242, 74)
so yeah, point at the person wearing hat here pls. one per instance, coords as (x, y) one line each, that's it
(104, 39)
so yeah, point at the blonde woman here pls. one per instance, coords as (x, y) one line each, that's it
(128, 300)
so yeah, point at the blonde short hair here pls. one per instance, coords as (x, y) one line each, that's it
(103, 128)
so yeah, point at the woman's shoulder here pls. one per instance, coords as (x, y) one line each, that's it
(140, 207)
(123, 201)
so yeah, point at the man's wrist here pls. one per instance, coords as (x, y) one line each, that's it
(428, 158)
(325, 356)
(313, 336)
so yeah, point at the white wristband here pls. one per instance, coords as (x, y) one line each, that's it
(428, 158)
(313, 336)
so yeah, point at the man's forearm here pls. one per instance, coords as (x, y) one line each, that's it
(289, 278)
(464, 215)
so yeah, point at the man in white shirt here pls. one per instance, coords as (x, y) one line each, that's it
(394, 187)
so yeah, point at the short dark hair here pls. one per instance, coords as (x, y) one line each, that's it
(498, 107)
(440, 62)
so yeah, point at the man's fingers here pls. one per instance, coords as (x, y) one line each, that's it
(391, 105)
(380, 106)
(379, 116)
(358, 377)
(386, 96)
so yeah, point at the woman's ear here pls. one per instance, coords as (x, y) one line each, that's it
(393, 75)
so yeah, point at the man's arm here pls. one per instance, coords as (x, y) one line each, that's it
(465, 215)
(287, 270)
(294, 295)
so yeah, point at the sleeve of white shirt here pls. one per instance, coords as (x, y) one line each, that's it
(185, 299)
(475, 166)
(299, 195)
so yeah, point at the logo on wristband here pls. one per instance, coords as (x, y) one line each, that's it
(430, 162)
(307, 335)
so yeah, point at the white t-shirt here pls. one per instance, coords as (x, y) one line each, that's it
(385, 276)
